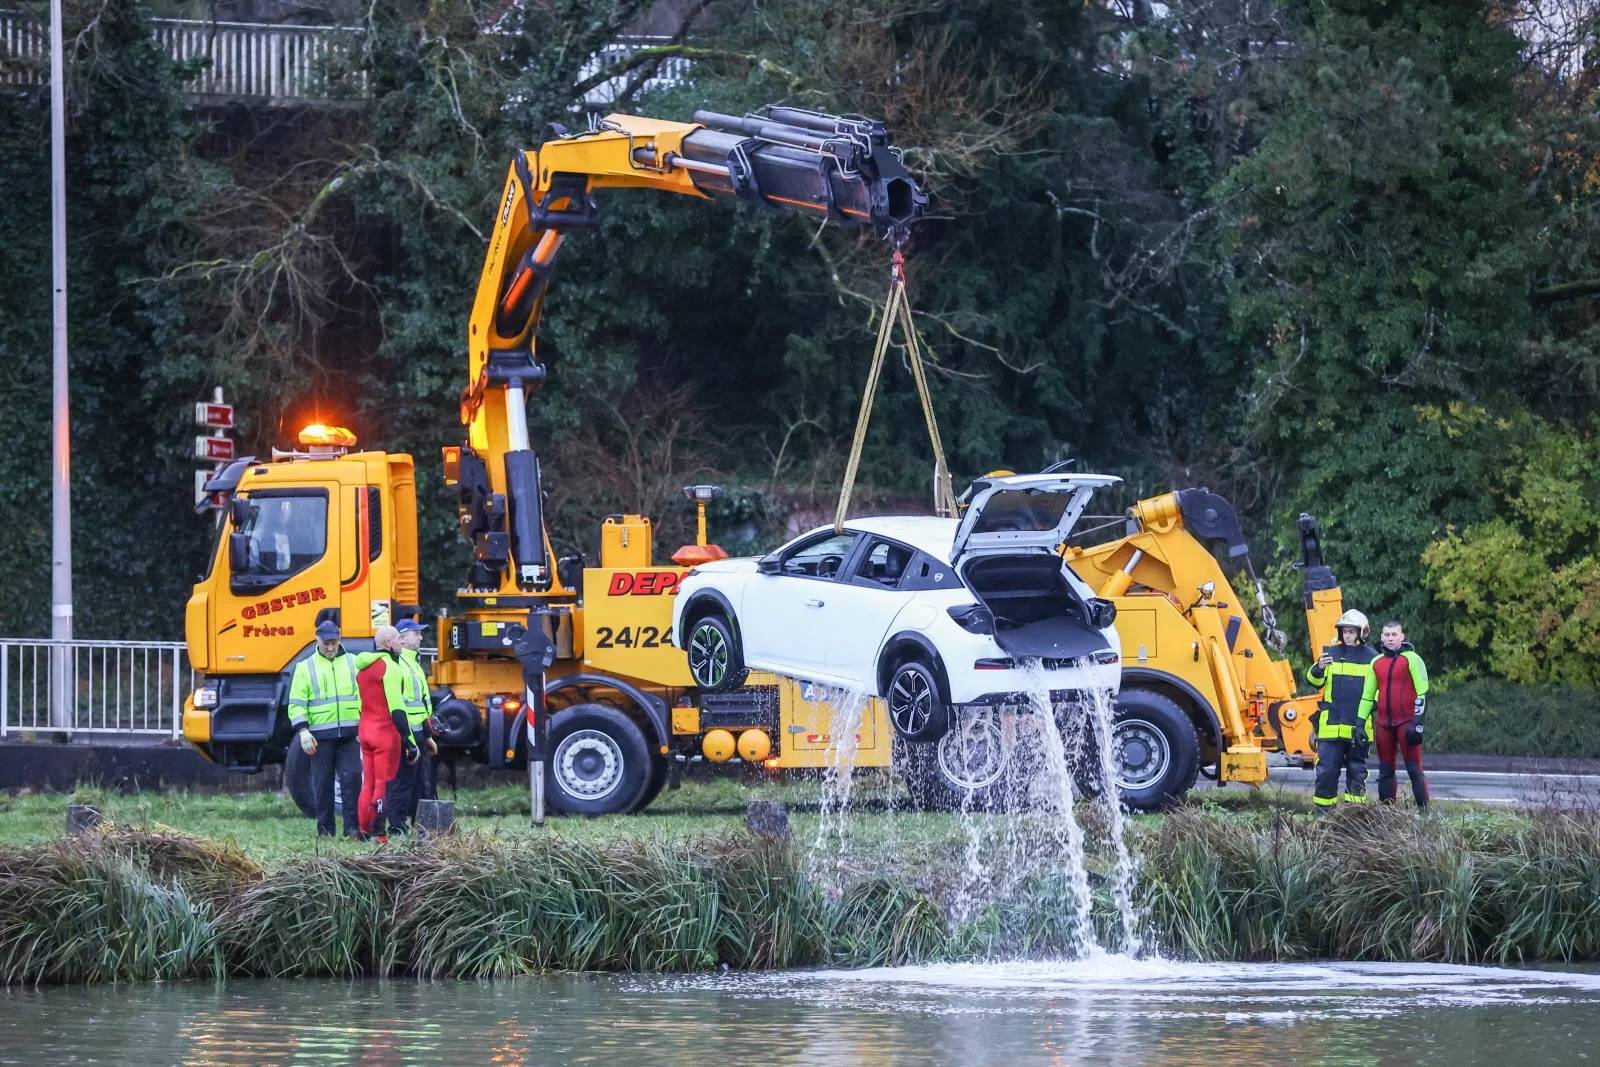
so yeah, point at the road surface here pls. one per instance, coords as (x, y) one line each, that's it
(1514, 788)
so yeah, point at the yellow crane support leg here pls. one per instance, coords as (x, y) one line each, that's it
(1239, 762)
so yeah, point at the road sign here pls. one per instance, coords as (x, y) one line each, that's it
(214, 449)
(216, 416)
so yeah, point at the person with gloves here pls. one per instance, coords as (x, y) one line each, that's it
(385, 734)
(1402, 702)
(412, 783)
(324, 711)
(1344, 714)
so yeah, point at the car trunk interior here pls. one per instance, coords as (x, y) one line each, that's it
(1036, 613)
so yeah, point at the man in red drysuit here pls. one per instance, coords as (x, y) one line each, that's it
(384, 733)
(1402, 700)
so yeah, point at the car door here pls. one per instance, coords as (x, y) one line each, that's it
(780, 612)
(858, 611)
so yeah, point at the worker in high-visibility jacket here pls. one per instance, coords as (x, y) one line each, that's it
(414, 781)
(1344, 714)
(325, 711)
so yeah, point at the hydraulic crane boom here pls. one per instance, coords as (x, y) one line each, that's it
(787, 159)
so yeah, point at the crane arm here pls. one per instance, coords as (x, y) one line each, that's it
(786, 159)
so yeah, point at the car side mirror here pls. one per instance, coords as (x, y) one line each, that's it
(769, 564)
(238, 552)
(239, 511)
(1102, 613)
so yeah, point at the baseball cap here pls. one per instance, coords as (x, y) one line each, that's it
(410, 626)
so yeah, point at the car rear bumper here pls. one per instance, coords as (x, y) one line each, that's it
(1020, 685)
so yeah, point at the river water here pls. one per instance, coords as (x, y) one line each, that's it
(1103, 1010)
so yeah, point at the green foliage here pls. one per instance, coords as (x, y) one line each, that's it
(1526, 579)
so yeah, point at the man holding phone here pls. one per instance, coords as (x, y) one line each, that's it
(1349, 687)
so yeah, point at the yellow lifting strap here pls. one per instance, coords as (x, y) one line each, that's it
(897, 308)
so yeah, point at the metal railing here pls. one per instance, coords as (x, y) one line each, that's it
(250, 60)
(674, 70)
(111, 687)
(279, 64)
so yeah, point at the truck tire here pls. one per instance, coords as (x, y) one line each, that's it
(716, 662)
(652, 788)
(599, 763)
(1157, 752)
(297, 779)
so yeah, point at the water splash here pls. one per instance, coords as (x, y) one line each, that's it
(838, 780)
(1069, 834)
(1101, 712)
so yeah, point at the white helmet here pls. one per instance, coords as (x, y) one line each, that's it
(1352, 617)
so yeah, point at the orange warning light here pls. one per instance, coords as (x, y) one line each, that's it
(336, 436)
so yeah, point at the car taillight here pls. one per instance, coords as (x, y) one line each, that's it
(993, 664)
(1107, 657)
(973, 618)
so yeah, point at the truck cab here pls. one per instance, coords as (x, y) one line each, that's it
(325, 532)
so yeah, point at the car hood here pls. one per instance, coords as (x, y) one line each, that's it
(741, 565)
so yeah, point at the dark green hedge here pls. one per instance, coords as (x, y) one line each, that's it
(1501, 718)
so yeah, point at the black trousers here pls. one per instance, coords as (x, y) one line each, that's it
(336, 757)
(1333, 756)
(414, 782)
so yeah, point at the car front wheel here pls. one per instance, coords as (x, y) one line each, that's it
(715, 661)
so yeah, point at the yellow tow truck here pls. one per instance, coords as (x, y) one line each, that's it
(580, 649)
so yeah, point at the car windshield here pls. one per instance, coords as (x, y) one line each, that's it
(819, 559)
(286, 535)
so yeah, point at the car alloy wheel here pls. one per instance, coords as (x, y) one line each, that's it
(972, 755)
(708, 655)
(911, 701)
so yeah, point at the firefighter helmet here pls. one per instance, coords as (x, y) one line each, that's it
(1354, 618)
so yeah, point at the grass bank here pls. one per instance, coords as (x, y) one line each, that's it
(689, 891)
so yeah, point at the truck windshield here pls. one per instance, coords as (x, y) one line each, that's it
(287, 533)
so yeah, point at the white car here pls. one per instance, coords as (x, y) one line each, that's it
(927, 613)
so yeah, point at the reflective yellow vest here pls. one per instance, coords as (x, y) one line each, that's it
(418, 701)
(323, 693)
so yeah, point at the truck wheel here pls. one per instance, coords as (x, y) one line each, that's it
(1156, 752)
(599, 762)
(715, 660)
(916, 706)
(652, 788)
(297, 779)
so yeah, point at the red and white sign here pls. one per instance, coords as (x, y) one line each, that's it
(216, 416)
(213, 449)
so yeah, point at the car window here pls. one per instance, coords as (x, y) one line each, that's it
(882, 564)
(925, 572)
(819, 559)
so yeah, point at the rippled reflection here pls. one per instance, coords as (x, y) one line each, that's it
(1109, 1010)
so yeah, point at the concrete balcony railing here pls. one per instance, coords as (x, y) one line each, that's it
(269, 65)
